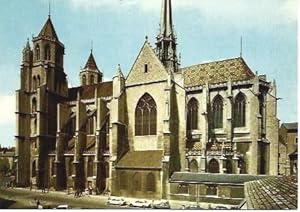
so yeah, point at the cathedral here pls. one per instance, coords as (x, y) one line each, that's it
(128, 136)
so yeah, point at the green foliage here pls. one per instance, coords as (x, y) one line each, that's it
(4, 165)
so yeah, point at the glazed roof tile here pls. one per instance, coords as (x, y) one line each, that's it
(217, 72)
(272, 193)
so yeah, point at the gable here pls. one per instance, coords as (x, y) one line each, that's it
(155, 69)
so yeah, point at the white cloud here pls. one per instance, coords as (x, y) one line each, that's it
(229, 11)
(7, 110)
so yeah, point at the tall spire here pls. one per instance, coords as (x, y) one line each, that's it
(166, 23)
(166, 39)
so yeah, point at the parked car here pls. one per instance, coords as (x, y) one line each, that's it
(220, 208)
(116, 201)
(63, 207)
(192, 207)
(140, 204)
(161, 204)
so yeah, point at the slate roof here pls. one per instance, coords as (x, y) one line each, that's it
(272, 193)
(290, 126)
(88, 91)
(141, 160)
(189, 177)
(91, 63)
(215, 72)
(48, 31)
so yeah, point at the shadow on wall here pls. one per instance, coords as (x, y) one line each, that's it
(174, 127)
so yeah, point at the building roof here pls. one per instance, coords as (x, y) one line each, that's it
(190, 177)
(141, 159)
(217, 72)
(272, 193)
(91, 63)
(290, 126)
(48, 31)
(88, 91)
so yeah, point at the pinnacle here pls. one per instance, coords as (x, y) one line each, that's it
(91, 63)
(48, 30)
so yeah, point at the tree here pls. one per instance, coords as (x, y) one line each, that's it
(4, 165)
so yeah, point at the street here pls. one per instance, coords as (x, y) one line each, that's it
(25, 199)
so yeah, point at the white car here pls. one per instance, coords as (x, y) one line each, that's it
(163, 204)
(63, 207)
(116, 201)
(140, 204)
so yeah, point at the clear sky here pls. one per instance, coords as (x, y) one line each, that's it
(207, 30)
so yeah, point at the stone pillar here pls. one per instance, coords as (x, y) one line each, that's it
(202, 163)
(272, 125)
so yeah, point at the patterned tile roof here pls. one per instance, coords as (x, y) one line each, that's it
(142, 159)
(217, 72)
(272, 193)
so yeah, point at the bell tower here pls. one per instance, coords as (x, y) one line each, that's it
(43, 86)
(166, 44)
(90, 74)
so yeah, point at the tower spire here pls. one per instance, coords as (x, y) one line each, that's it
(166, 22)
(241, 52)
(49, 9)
(166, 38)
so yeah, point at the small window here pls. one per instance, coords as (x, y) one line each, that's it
(183, 189)
(146, 68)
(211, 190)
(296, 140)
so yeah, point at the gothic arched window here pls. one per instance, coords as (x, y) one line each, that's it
(192, 116)
(33, 106)
(90, 125)
(217, 112)
(70, 167)
(151, 182)
(53, 167)
(194, 166)
(33, 171)
(213, 166)
(90, 167)
(34, 83)
(92, 80)
(242, 166)
(240, 110)
(262, 110)
(37, 52)
(145, 116)
(47, 54)
(38, 81)
(123, 180)
(137, 182)
(83, 80)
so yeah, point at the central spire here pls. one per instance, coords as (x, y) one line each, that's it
(166, 23)
(166, 39)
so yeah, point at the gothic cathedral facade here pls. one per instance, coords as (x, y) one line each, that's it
(129, 135)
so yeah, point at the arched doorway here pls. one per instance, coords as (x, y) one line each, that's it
(213, 166)
(228, 167)
(193, 166)
(242, 166)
